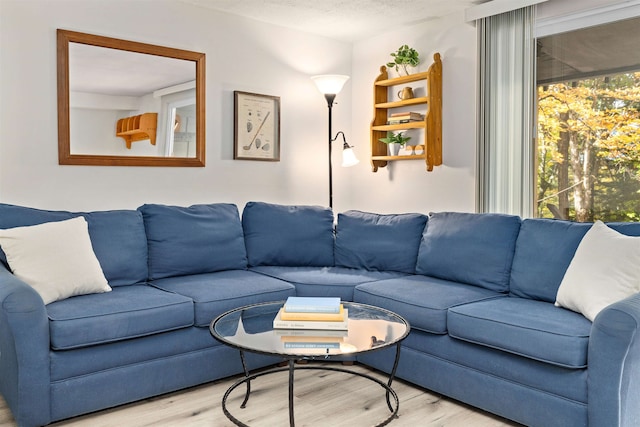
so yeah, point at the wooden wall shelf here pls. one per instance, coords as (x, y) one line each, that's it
(138, 128)
(401, 126)
(431, 125)
(403, 157)
(403, 103)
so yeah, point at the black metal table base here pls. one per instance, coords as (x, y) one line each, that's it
(392, 398)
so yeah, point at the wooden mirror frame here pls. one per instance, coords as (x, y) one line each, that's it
(65, 157)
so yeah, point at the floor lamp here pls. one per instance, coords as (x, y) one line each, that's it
(330, 85)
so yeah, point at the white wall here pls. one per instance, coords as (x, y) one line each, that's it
(241, 55)
(405, 185)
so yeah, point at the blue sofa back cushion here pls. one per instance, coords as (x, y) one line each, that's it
(117, 237)
(544, 250)
(294, 236)
(476, 249)
(193, 240)
(378, 242)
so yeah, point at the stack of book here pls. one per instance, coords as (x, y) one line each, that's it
(397, 118)
(312, 313)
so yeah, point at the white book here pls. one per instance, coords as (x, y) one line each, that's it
(278, 323)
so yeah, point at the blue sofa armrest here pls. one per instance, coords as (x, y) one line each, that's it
(614, 365)
(24, 351)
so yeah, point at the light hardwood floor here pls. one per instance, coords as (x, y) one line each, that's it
(322, 398)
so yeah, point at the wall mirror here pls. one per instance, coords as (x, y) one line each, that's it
(124, 103)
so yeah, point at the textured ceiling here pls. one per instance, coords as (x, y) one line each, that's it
(347, 20)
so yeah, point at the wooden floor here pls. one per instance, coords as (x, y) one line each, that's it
(322, 398)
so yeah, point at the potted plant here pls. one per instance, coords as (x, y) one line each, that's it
(404, 57)
(394, 142)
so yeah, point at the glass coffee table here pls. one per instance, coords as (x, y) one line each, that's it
(250, 328)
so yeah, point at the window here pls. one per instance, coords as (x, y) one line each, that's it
(588, 123)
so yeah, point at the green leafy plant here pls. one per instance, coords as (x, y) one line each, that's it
(395, 138)
(405, 56)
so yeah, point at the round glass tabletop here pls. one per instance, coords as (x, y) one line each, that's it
(250, 328)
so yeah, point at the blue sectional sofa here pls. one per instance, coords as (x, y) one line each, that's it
(478, 290)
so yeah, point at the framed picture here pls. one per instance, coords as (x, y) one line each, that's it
(256, 122)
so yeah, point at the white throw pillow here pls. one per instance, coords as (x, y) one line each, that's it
(604, 269)
(55, 258)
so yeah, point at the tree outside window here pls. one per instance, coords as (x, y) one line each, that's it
(588, 131)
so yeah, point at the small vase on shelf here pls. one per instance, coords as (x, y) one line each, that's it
(394, 142)
(394, 149)
(404, 60)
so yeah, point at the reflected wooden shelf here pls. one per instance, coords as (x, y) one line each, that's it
(138, 128)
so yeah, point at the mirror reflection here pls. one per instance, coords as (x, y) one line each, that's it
(181, 135)
(129, 103)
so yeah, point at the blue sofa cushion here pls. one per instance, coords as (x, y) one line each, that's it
(288, 235)
(422, 300)
(470, 248)
(325, 281)
(102, 358)
(124, 313)
(533, 329)
(215, 293)
(118, 238)
(483, 360)
(378, 242)
(193, 240)
(544, 250)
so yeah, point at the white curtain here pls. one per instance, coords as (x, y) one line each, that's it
(506, 111)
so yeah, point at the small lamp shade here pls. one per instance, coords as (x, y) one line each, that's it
(349, 157)
(330, 83)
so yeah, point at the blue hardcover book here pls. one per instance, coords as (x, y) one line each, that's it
(312, 305)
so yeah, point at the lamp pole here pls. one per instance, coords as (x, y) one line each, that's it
(330, 97)
(330, 85)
